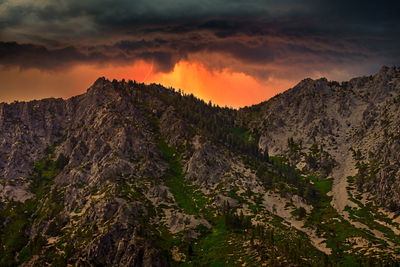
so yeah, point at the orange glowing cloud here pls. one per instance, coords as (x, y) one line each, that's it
(222, 87)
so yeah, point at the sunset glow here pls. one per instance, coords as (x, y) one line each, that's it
(221, 87)
(225, 88)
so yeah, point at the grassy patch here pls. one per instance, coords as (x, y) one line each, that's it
(220, 247)
(323, 186)
(188, 196)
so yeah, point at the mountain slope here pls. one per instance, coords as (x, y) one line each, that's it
(347, 132)
(361, 114)
(131, 174)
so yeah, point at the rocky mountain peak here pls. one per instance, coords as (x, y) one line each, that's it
(101, 86)
(393, 70)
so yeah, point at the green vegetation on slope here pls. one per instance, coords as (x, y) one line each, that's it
(20, 216)
(187, 195)
(232, 240)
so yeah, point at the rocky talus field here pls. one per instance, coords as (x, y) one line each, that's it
(130, 174)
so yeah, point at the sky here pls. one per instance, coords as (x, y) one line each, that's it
(232, 52)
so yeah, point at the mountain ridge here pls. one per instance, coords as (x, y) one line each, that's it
(129, 174)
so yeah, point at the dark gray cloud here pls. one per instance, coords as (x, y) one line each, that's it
(27, 56)
(59, 33)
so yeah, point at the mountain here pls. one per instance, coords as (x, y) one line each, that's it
(130, 174)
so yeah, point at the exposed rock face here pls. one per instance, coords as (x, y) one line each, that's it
(136, 175)
(26, 129)
(361, 114)
(207, 165)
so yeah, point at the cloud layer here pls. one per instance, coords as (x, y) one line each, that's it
(263, 39)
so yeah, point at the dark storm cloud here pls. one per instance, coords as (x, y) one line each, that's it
(37, 56)
(28, 56)
(59, 33)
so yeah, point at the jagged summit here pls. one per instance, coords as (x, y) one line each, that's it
(393, 70)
